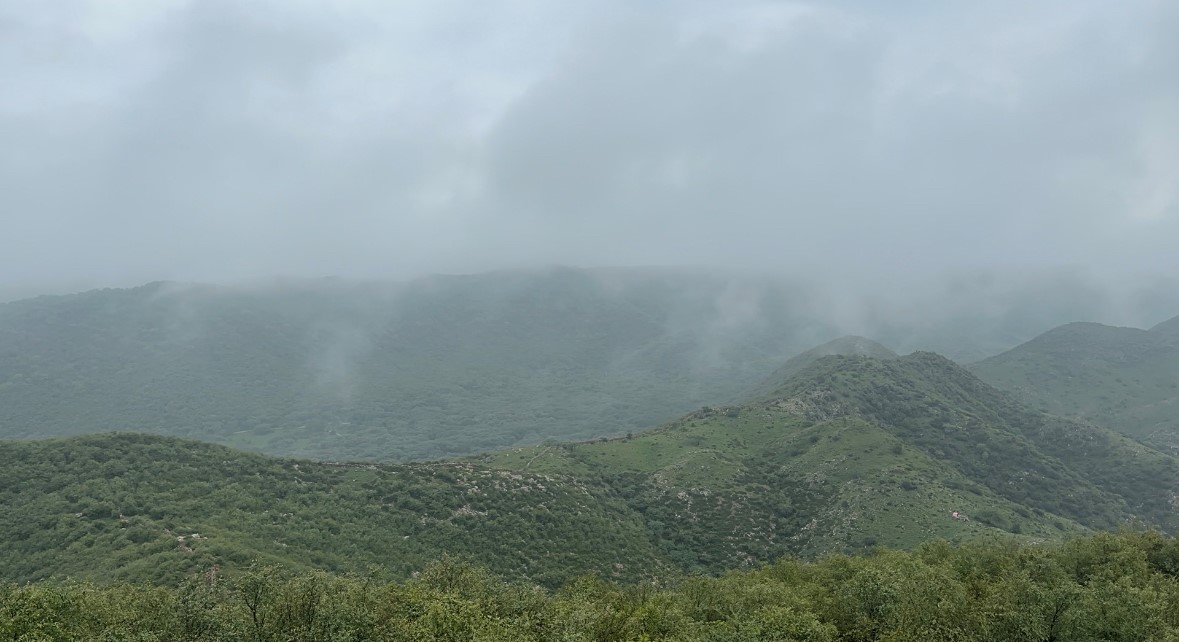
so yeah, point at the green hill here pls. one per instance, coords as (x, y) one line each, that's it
(850, 453)
(856, 451)
(150, 508)
(1123, 378)
(847, 346)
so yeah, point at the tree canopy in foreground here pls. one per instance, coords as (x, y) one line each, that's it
(1102, 587)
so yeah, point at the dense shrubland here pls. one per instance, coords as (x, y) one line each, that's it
(1102, 587)
(143, 508)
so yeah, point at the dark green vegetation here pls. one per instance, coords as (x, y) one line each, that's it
(856, 451)
(1122, 378)
(149, 508)
(849, 453)
(1098, 588)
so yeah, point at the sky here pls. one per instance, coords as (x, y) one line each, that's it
(220, 140)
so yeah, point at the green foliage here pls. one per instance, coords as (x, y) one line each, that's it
(148, 508)
(850, 454)
(1046, 463)
(1103, 587)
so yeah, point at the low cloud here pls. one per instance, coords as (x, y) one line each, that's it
(223, 141)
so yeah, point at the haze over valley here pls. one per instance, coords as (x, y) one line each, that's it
(450, 365)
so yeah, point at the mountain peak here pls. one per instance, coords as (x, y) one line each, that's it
(853, 345)
(846, 346)
(855, 376)
(1088, 341)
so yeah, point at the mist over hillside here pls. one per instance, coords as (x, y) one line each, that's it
(1120, 377)
(425, 368)
(446, 365)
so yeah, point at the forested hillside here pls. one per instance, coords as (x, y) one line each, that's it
(849, 453)
(1123, 378)
(148, 508)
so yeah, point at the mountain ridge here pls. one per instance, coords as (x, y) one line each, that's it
(856, 449)
(1126, 379)
(850, 453)
(443, 366)
(942, 407)
(1169, 327)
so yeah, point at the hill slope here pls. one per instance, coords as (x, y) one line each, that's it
(856, 450)
(849, 453)
(140, 507)
(1123, 378)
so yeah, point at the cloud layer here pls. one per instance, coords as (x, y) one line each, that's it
(221, 140)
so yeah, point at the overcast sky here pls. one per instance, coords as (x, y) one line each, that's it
(225, 139)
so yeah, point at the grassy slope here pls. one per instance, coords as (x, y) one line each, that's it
(1123, 378)
(740, 490)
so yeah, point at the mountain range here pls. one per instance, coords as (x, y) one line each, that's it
(446, 366)
(392, 371)
(633, 424)
(847, 453)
